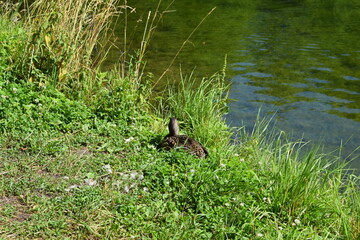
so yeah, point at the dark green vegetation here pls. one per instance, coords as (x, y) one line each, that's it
(78, 158)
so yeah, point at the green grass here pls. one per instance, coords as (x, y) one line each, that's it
(81, 167)
(258, 189)
(202, 120)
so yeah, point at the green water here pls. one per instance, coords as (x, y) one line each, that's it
(298, 61)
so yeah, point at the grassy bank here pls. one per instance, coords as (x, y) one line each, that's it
(78, 157)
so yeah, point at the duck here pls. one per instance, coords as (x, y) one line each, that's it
(174, 140)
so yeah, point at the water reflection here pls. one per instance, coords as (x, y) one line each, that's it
(299, 62)
(303, 70)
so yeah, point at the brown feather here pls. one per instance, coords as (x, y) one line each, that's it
(173, 140)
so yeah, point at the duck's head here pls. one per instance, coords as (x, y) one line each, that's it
(173, 127)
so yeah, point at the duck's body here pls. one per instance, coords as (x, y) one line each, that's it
(174, 140)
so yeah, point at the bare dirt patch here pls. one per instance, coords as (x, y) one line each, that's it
(19, 212)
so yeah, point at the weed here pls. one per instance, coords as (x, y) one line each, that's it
(204, 119)
(63, 40)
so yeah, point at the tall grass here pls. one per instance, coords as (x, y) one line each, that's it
(304, 184)
(9, 10)
(11, 37)
(66, 41)
(201, 104)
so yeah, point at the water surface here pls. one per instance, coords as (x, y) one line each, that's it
(297, 62)
(302, 65)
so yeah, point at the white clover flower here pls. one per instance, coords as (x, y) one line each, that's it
(236, 155)
(297, 222)
(293, 224)
(133, 175)
(280, 228)
(39, 104)
(90, 182)
(242, 204)
(71, 187)
(234, 199)
(141, 177)
(242, 160)
(126, 189)
(264, 199)
(107, 168)
(222, 165)
(127, 140)
(192, 170)
(117, 183)
(14, 90)
(227, 204)
(259, 234)
(145, 189)
(66, 178)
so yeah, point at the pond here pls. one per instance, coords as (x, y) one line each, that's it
(297, 62)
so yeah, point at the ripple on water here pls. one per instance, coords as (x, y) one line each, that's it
(296, 85)
(347, 110)
(322, 98)
(304, 49)
(345, 91)
(238, 68)
(322, 69)
(258, 74)
(351, 78)
(242, 52)
(317, 80)
(240, 79)
(245, 64)
(311, 47)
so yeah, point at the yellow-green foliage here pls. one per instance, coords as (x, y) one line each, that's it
(63, 37)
